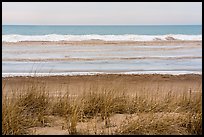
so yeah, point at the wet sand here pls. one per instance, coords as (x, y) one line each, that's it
(93, 59)
(100, 42)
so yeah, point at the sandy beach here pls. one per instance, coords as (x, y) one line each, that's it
(132, 82)
(66, 102)
(160, 88)
(101, 68)
(96, 87)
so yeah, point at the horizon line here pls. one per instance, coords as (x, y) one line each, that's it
(99, 24)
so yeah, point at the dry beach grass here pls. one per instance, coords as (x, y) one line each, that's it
(103, 104)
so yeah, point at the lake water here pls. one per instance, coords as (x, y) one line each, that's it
(92, 59)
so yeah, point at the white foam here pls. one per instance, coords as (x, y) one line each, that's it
(96, 73)
(126, 37)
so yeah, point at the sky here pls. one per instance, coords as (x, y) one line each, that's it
(102, 13)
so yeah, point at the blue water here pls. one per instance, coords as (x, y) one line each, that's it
(102, 30)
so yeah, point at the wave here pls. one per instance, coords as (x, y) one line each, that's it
(98, 59)
(97, 73)
(126, 37)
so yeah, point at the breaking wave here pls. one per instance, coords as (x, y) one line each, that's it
(126, 37)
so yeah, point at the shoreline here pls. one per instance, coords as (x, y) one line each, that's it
(72, 74)
(101, 42)
(114, 75)
(143, 77)
(133, 44)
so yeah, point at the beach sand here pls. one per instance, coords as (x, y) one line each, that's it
(149, 85)
(131, 84)
(76, 84)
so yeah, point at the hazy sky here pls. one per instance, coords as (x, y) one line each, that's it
(101, 13)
